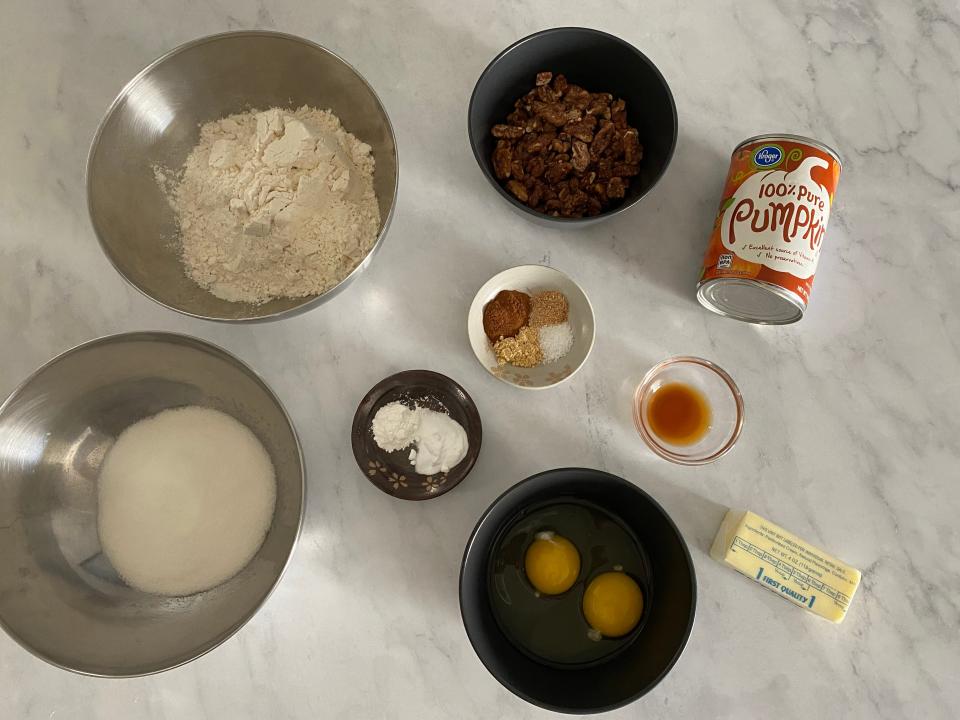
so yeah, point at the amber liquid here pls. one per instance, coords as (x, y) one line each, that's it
(678, 414)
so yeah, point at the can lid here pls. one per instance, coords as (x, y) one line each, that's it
(750, 300)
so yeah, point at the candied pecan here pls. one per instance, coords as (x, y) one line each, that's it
(565, 151)
(577, 97)
(552, 113)
(632, 152)
(602, 140)
(518, 190)
(535, 194)
(507, 131)
(625, 170)
(547, 94)
(581, 155)
(580, 130)
(616, 146)
(538, 143)
(502, 158)
(557, 171)
(599, 104)
(535, 166)
(616, 188)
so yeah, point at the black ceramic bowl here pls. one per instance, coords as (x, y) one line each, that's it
(630, 673)
(598, 62)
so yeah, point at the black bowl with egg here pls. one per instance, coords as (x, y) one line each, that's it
(667, 618)
(600, 63)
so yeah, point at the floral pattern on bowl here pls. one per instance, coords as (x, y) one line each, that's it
(392, 472)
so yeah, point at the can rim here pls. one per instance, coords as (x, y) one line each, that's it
(795, 138)
(791, 297)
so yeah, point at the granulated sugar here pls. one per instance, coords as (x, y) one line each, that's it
(555, 341)
(186, 498)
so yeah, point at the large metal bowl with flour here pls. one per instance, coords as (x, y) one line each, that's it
(60, 596)
(155, 122)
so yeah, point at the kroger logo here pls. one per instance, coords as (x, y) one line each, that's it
(767, 156)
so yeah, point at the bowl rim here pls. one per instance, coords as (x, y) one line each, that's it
(603, 476)
(593, 323)
(308, 303)
(473, 452)
(206, 346)
(481, 161)
(652, 441)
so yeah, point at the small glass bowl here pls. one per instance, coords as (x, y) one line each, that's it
(726, 408)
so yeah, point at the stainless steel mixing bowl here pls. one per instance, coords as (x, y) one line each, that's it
(59, 596)
(155, 121)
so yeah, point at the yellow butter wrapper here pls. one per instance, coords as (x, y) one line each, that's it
(785, 564)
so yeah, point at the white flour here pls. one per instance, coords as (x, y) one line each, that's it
(275, 204)
(185, 500)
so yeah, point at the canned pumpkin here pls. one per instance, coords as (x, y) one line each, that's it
(766, 240)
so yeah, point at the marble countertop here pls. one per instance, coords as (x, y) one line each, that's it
(852, 434)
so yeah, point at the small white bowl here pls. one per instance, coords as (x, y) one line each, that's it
(532, 279)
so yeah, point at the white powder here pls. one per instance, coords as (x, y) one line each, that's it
(395, 426)
(275, 204)
(555, 341)
(440, 441)
(186, 498)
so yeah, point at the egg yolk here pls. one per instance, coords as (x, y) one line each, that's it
(613, 604)
(552, 564)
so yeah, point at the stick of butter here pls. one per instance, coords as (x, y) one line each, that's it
(782, 562)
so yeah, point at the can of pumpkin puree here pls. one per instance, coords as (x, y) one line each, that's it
(769, 230)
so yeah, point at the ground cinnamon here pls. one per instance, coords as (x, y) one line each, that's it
(506, 314)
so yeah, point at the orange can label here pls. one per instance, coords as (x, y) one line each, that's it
(774, 213)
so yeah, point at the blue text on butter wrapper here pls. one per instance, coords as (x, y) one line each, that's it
(789, 592)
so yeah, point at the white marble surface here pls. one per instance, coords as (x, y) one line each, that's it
(852, 437)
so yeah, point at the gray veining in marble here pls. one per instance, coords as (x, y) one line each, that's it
(852, 437)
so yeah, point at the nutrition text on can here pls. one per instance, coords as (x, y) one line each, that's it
(768, 235)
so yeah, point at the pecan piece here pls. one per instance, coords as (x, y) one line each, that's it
(552, 113)
(632, 151)
(518, 190)
(544, 78)
(581, 155)
(577, 97)
(625, 170)
(560, 84)
(580, 130)
(535, 195)
(502, 158)
(535, 166)
(602, 140)
(507, 131)
(557, 171)
(599, 104)
(616, 188)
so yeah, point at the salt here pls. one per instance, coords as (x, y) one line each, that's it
(555, 341)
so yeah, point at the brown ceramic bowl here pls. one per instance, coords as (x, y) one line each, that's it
(391, 471)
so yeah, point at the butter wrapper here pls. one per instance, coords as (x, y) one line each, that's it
(785, 564)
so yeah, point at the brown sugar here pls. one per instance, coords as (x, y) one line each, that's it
(548, 308)
(506, 314)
